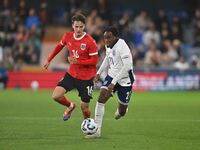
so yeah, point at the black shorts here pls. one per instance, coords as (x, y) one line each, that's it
(84, 87)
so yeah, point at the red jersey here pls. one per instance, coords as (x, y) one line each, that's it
(84, 49)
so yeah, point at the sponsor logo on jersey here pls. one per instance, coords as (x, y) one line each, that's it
(83, 46)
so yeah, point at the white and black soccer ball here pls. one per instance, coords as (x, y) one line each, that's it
(88, 126)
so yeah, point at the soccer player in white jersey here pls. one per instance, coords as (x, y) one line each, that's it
(118, 61)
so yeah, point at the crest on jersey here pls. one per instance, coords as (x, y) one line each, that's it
(83, 46)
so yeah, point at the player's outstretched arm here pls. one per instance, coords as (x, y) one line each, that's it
(104, 65)
(56, 50)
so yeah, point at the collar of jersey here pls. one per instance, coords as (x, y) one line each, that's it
(114, 44)
(79, 37)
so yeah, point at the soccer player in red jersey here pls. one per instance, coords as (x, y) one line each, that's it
(83, 57)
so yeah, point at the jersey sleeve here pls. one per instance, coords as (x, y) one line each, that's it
(93, 48)
(104, 65)
(124, 49)
(59, 46)
(63, 40)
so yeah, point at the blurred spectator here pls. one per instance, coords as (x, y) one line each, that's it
(19, 53)
(123, 21)
(125, 29)
(196, 17)
(151, 34)
(138, 55)
(87, 6)
(161, 19)
(72, 6)
(1, 54)
(104, 8)
(181, 64)
(170, 54)
(165, 31)
(5, 10)
(43, 14)
(21, 35)
(198, 63)
(32, 19)
(153, 56)
(197, 34)
(60, 16)
(22, 11)
(176, 28)
(95, 25)
(193, 61)
(3, 76)
(141, 22)
(177, 46)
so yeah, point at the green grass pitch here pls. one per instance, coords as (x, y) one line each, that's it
(155, 121)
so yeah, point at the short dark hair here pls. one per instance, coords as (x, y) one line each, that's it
(113, 30)
(78, 17)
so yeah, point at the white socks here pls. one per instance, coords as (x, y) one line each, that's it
(99, 113)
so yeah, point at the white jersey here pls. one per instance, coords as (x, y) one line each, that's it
(119, 62)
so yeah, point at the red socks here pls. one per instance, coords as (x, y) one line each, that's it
(64, 101)
(86, 114)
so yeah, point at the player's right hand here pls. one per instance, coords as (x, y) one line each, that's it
(97, 78)
(46, 65)
(72, 60)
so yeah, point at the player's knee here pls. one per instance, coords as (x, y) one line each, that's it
(55, 97)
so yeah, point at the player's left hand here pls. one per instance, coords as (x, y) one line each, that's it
(46, 64)
(111, 87)
(72, 60)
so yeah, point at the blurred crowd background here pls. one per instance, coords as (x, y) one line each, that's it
(160, 34)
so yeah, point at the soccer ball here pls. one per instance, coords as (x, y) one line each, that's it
(88, 126)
